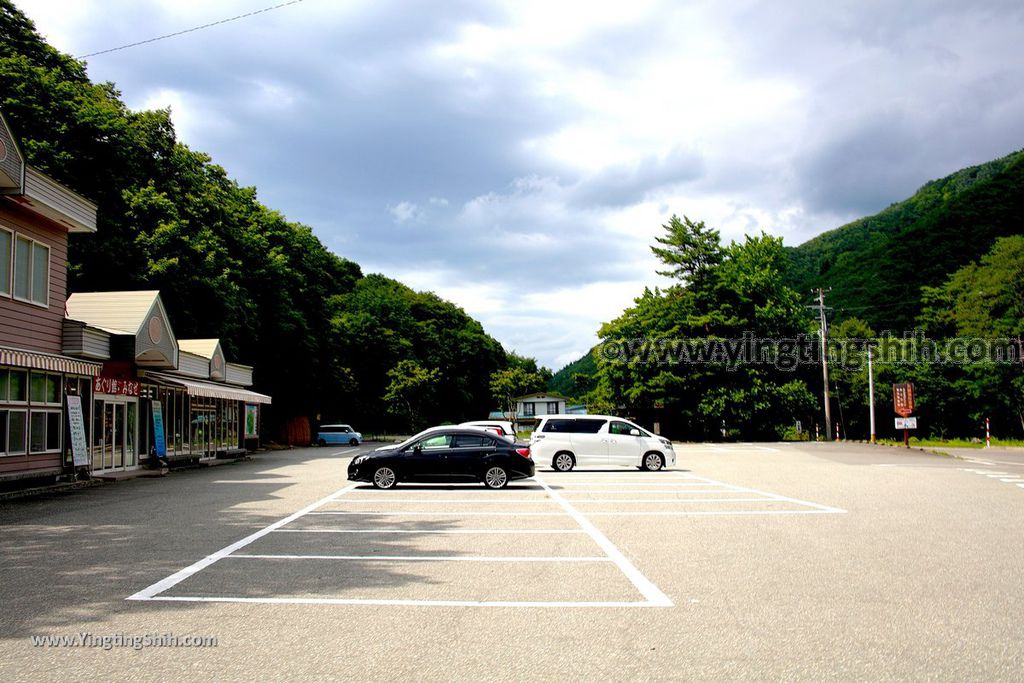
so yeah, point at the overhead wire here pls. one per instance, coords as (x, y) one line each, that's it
(191, 30)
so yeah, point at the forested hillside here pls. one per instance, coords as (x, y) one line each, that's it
(324, 339)
(876, 266)
(577, 378)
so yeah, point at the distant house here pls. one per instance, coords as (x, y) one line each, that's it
(532, 405)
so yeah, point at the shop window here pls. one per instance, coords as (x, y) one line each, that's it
(6, 243)
(16, 431)
(31, 271)
(44, 388)
(44, 431)
(17, 386)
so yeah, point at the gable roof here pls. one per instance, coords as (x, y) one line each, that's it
(546, 394)
(114, 312)
(199, 347)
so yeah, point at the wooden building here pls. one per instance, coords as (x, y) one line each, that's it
(36, 377)
(157, 395)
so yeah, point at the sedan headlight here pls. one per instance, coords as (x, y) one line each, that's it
(360, 459)
(666, 443)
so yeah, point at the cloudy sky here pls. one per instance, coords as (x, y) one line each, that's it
(519, 157)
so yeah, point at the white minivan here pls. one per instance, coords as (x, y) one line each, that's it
(569, 440)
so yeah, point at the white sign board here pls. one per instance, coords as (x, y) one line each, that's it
(76, 423)
(906, 423)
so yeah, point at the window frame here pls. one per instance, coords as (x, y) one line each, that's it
(7, 289)
(47, 447)
(33, 245)
(24, 445)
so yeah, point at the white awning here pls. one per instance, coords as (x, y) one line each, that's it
(48, 361)
(208, 389)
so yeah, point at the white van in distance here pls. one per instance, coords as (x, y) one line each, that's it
(568, 440)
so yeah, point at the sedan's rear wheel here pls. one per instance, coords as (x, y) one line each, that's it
(385, 478)
(563, 462)
(496, 478)
(321, 443)
(653, 462)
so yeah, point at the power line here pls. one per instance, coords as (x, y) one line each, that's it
(191, 30)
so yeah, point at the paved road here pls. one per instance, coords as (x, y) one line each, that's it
(759, 561)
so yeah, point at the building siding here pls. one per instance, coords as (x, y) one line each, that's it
(28, 326)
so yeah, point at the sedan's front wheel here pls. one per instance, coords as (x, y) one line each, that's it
(496, 478)
(385, 478)
(353, 442)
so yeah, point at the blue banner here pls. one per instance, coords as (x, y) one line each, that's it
(159, 443)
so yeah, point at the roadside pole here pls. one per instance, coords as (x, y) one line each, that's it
(988, 435)
(824, 362)
(871, 396)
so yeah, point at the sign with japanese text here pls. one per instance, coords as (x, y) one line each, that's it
(76, 423)
(906, 423)
(113, 385)
(118, 387)
(903, 399)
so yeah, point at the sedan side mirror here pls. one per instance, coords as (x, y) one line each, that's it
(634, 432)
(417, 449)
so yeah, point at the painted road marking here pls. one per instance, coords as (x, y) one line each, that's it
(432, 531)
(424, 558)
(150, 592)
(653, 594)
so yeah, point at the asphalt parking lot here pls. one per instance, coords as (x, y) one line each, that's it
(747, 561)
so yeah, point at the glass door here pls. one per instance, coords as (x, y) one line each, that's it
(97, 435)
(130, 430)
(109, 434)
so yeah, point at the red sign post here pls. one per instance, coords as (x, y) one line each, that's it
(903, 403)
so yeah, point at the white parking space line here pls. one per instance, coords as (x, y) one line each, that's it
(670, 500)
(652, 593)
(408, 603)
(150, 592)
(775, 496)
(420, 532)
(443, 513)
(688, 492)
(614, 495)
(441, 501)
(424, 558)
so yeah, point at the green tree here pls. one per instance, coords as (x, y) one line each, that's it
(410, 389)
(508, 384)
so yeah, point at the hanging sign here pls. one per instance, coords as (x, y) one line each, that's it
(113, 385)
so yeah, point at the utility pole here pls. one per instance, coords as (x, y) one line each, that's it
(871, 395)
(824, 360)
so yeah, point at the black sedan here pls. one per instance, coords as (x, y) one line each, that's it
(445, 454)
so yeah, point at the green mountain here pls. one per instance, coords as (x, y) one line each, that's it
(876, 266)
(576, 378)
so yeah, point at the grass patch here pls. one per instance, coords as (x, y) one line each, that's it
(954, 443)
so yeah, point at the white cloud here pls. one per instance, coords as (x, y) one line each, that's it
(538, 145)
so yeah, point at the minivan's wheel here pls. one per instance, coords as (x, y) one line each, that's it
(353, 442)
(563, 462)
(653, 462)
(321, 443)
(495, 478)
(385, 478)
